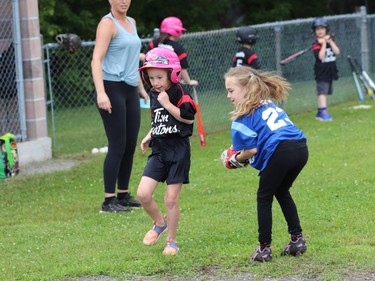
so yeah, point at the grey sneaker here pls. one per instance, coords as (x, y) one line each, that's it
(294, 248)
(262, 255)
(129, 201)
(114, 207)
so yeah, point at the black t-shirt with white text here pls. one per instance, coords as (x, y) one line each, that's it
(326, 69)
(163, 123)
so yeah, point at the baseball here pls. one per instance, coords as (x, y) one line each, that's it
(103, 149)
(94, 150)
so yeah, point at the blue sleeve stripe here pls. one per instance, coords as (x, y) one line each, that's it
(243, 129)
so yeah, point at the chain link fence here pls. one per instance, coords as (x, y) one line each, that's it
(75, 125)
(9, 113)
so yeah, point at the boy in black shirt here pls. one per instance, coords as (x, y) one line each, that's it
(325, 51)
(247, 37)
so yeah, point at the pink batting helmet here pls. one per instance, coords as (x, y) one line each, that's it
(161, 57)
(172, 26)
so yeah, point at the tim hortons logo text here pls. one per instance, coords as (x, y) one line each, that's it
(163, 125)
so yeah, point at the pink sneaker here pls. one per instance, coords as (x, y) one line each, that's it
(170, 248)
(152, 236)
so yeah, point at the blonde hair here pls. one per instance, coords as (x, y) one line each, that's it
(260, 86)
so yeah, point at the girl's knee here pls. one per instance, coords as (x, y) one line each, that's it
(171, 203)
(144, 197)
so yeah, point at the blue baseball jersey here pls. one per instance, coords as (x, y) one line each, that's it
(264, 130)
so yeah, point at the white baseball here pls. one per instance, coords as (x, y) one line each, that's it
(103, 149)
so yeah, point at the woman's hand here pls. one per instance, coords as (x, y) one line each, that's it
(144, 95)
(104, 102)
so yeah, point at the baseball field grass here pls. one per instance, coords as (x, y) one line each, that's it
(51, 228)
(80, 129)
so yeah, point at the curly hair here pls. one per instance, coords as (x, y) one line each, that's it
(260, 85)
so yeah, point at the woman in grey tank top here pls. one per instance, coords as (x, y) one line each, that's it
(118, 87)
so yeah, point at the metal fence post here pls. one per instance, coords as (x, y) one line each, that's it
(19, 69)
(156, 33)
(50, 101)
(278, 55)
(364, 39)
(278, 49)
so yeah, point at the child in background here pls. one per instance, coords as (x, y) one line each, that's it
(172, 112)
(325, 51)
(247, 37)
(264, 137)
(171, 28)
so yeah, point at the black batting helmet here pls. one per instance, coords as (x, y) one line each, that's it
(69, 41)
(247, 34)
(320, 22)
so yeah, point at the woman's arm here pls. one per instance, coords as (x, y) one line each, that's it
(104, 33)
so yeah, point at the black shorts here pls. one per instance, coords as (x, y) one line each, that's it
(169, 161)
(323, 88)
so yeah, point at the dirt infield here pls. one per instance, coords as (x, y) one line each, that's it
(49, 166)
(215, 275)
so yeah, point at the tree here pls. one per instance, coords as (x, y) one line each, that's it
(82, 16)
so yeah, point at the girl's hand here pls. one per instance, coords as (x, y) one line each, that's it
(322, 41)
(163, 98)
(144, 144)
(104, 102)
(193, 83)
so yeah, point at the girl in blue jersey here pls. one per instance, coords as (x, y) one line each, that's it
(172, 118)
(266, 138)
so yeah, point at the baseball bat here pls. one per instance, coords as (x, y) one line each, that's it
(201, 132)
(366, 82)
(294, 56)
(358, 87)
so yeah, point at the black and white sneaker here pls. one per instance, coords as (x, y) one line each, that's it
(114, 207)
(129, 201)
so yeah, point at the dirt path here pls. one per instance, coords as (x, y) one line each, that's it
(48, 166)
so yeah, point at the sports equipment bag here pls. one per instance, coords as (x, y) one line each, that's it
(9, 165)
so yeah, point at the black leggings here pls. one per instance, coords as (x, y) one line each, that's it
(275, 180)
(121, 127)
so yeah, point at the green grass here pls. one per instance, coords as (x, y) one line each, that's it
(78, 130)
(51, 228)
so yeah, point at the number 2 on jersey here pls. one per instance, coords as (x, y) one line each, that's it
(270, 115)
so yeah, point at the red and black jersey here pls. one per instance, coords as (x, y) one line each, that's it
(163, 123)
(175, 47)
(326, 69)
(246, 57)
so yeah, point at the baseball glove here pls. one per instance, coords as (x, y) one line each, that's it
(228, 157)
(69, 41)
